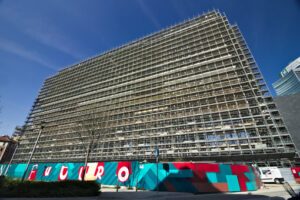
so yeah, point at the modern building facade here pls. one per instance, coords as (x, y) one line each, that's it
(192, 90)
(289, 79)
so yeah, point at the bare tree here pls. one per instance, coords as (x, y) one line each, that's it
(90, 128)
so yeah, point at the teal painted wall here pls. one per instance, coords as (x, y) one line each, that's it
(181, 177)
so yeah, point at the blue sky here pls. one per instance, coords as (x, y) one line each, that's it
(39, 37)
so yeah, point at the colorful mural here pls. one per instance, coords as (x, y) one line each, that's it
(296, 173)
(179, 177)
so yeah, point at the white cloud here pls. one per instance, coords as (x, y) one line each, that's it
(149, 14)
(51, 36)
(40, 29)
(14, 48)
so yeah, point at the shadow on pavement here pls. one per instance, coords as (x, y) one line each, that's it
(189, 196)
(162, 196)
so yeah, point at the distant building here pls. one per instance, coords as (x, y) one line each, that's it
(289, 82)
(7, 147)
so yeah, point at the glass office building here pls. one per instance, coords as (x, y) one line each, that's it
(289, 82)
(192, 90)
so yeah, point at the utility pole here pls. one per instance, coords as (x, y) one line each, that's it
(37, 139)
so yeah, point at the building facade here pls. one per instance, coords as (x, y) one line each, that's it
(192, 90)
(289, 108)
(289, 79)
(7, 148)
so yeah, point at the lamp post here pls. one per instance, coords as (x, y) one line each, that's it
(37, 139)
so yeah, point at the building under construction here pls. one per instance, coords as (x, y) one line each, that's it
(192, 90)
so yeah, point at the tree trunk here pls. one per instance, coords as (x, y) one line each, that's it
(86, 160)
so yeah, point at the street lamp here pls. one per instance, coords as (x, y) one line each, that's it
(37, 139)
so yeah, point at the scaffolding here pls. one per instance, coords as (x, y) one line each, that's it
(192, 90)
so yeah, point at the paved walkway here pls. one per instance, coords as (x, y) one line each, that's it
(271, 192)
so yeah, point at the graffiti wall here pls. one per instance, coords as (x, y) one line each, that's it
(179, 177)
(296, 173)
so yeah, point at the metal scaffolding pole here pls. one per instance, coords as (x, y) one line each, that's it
(8, 166)
(37, 139)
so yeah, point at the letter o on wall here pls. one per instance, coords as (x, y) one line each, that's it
(123, 174)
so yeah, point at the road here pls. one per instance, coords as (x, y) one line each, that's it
(270, 192)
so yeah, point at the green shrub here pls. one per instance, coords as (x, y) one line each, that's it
(14, 188)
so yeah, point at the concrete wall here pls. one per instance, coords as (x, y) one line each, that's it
(287, 175)
(289, 108)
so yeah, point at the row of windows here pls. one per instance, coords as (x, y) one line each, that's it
(117, 57)
(105, 76)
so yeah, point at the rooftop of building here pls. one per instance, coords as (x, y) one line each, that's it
(6, 138)
(294, 65)
(140, 40)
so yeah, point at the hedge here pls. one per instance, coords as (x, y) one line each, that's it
(14, 188)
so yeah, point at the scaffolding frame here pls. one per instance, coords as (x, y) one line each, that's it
(193, 90)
